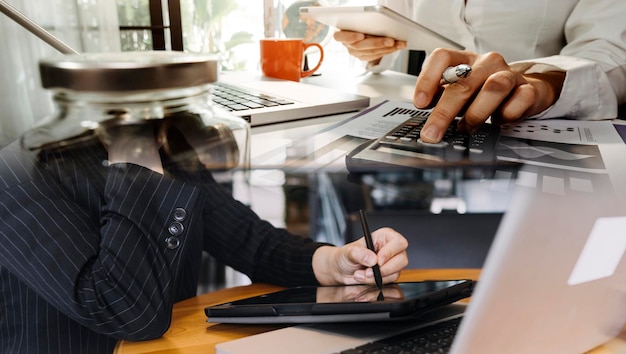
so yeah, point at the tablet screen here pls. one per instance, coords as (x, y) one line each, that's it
(347, 302)
(350, 293)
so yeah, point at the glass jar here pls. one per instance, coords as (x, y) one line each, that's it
(167, 91)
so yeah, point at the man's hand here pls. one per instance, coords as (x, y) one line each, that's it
(492, 90)
(352, 263)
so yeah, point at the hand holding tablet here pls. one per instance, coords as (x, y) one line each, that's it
(380, 21)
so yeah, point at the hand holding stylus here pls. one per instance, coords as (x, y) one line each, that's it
(353, 263)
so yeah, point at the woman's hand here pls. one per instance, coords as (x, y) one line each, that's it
(492, 90)
(352, 263)
(368, 48)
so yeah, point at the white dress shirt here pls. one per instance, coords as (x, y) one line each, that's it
(584, 38)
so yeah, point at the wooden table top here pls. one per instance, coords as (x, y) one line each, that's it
(190, 333)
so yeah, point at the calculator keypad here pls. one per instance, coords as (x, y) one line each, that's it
(455, 145)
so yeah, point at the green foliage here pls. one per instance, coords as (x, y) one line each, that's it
(133, 13)
(237, 39)
(210, 15)
(202, 27)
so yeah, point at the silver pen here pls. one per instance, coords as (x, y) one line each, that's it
(455, 73)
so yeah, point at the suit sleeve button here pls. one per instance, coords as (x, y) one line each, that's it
(180, 214)
(176, 229)
(172, 242)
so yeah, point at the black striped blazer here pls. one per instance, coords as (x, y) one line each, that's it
(90, 253)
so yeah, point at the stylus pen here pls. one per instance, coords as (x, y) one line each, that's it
(453, 74)
(370, 245)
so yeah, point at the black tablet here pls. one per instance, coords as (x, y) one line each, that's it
(348, 303)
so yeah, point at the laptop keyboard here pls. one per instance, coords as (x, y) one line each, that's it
(238, 99)
(427, 340)
(454, 147)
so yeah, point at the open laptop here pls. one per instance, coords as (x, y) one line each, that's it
(277, 101)
(554, 281)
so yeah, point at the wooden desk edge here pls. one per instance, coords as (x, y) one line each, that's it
(190, 332)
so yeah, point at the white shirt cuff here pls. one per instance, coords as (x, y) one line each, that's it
(587, 93)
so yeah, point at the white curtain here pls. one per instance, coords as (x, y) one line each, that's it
(85, 25)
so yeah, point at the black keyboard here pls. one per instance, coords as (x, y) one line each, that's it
(427, 340)
(454, 147)
(239, 99)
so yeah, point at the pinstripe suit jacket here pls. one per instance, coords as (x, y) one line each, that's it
(90, 254)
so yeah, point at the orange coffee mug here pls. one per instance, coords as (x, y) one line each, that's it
(282, 58)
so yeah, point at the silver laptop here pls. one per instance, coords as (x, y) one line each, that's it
(261, 100)
(554, 281)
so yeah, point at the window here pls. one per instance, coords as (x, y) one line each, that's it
(228, 28)
(149, 25)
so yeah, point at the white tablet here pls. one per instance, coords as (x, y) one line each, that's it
(379, 20)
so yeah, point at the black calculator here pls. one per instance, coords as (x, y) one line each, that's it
(402, 147)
